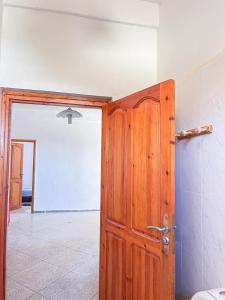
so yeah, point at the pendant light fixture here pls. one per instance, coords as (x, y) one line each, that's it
(69, 113)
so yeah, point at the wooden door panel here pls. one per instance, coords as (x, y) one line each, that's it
(116, 267)
(16, 176)
(16, 168)
(15, 194)
(116, 206)
(145, 274)
(145, 135)
(138, 191)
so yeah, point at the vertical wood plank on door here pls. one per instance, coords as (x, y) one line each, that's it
(116, 205)
(145, 283)
(145, 131)
(116, 265)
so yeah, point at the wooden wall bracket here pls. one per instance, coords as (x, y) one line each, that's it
(187, 134)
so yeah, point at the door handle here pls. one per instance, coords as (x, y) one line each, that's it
(164, 229)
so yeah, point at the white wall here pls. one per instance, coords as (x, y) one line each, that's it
(192, 51)
(44, 48)
(27, 165)
(68, 156)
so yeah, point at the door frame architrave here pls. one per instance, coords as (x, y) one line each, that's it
(8, 97)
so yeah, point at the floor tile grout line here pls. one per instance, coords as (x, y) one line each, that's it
(30, 268)
(45, 259)
(93, 296)
(69, 272)
(37, 292)
(52, 282)
(88, 252)
(47, 298)
(24, 286)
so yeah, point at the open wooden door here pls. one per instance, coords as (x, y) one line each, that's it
(137, 261)
(16, 176)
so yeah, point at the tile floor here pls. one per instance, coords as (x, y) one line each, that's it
(53, 255)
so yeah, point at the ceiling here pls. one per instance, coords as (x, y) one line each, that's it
(134, 12)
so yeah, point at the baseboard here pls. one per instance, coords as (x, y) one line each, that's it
(183, 297)
(63, 211)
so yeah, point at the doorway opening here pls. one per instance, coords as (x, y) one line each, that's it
(25, 159)
(46, 247)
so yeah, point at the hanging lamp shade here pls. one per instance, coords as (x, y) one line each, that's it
(70, 114)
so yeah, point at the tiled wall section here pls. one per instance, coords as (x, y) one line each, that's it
(192, 51)
(201, 181)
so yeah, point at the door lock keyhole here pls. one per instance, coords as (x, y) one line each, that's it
(165, 240)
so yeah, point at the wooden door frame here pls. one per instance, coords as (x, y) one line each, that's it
(8, 97)
(34, 142)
